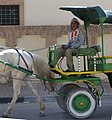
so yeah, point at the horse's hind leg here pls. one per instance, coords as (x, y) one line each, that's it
(39, 100)
(16, 90)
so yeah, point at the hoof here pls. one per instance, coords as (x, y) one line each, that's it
(42, 114)
(5, 116)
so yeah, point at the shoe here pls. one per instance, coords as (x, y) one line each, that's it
(69, 70)
(51, 66)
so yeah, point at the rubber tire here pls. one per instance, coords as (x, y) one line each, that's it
(75, 111)
(64, 90)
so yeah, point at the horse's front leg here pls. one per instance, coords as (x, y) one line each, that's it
(39, 100)
(16, 93)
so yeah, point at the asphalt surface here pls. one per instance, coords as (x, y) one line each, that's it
(6, 93)
(26, 96)
(30, 111)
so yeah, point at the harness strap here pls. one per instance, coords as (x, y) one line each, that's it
(29, 54)
(18, 56)
(21, 57)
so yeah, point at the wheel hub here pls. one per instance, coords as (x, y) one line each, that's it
(81, 103)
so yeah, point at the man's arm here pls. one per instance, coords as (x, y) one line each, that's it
(80, 40)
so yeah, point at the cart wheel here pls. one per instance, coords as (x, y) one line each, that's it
(81, 103)
(64, 90)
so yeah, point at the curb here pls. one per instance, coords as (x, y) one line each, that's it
(8, 99)
(28, 99)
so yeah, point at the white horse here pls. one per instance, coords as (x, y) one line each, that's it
(28, 61)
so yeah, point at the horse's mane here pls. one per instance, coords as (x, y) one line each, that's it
(41, 67)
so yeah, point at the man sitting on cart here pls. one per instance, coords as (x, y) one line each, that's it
(76, 38)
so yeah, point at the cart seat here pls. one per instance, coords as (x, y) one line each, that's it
(88, 51)
(83, 51)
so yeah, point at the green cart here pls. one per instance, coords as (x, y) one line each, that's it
(81, 92)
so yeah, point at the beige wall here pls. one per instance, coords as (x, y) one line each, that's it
(107, 44)
(37, 39)
(46, 12)
(31, 42)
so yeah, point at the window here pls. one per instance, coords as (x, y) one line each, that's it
(9, 15)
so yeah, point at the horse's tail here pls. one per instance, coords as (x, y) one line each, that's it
(42, 68)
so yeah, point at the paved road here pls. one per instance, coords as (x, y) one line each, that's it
(29, 111)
